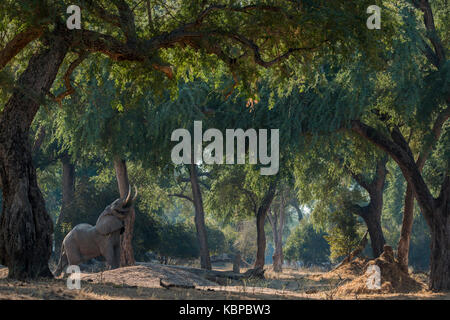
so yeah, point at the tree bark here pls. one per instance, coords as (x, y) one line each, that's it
(126, 245)
(261, 214)
(407, 224)
(25, 227)
(205, 261)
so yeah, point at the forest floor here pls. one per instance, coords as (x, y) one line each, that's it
(149, 281)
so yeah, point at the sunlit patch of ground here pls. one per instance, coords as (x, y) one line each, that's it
(143, 283)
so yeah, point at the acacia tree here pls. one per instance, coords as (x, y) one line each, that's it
(129, 35)
(238, 192)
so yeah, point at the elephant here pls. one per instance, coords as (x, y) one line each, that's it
(85, 242)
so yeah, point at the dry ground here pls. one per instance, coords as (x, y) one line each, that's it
(143, 282)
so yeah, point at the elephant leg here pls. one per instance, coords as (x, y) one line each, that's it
(116, 260)
(73, 255)
(110, 256)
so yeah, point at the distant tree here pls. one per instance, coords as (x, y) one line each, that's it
(307, 245)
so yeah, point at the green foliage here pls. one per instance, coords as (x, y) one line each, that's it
(179, 241)
(307, 245)
(342, 234)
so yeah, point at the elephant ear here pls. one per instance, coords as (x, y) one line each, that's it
(107, 224)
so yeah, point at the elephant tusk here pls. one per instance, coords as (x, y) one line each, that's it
(127, 200)
(136, 193)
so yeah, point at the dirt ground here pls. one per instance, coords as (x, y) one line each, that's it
(144, 282)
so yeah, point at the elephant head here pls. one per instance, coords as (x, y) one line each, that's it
(111, 219)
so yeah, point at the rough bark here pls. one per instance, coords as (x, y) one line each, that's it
(205, 261)
(25, 227)
(126, 246)
(261, 214)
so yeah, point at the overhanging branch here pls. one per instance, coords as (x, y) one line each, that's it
(20, 41)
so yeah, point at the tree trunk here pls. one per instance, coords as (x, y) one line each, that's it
(373, 223)
(68, 187)
(440, 241)
(260, 222)
(205, 261)
(277, 222)
(407, 224)
(68, 192)
(371, 213)
(25, 227)
(260, 239)
(126, 245)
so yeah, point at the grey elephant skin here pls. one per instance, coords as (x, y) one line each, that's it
(85, 241)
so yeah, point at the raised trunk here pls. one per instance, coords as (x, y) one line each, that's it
(126, 245)
(25, 227)
(205, 261)
(407, 224)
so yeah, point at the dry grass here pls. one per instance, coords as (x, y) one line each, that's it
(142, 282)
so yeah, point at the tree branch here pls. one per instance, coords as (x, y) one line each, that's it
(180, 195)
(69, 88)
(20, 41)
(432, 35)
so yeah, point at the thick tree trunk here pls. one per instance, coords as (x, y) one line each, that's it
(407, 224)
(205, 261)
(260, 222)
(373, 223)
(371, 213)
(126, 245)
(260, 239)
(440, 241)
(25, 227)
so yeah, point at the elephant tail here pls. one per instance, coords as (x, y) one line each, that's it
(63, 262)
